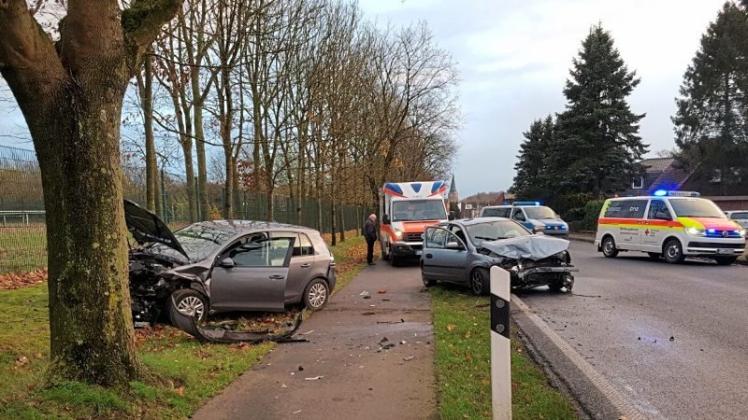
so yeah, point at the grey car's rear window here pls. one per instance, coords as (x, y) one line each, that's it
(496, 212)
(739, 215)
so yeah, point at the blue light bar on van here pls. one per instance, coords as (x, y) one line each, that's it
(663, 193)
(527, 203)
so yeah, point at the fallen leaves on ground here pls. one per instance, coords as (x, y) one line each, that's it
(12, 281)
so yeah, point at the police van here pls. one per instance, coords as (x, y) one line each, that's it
(670, 224)
(530, 214)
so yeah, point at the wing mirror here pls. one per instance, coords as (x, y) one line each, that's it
(385, 220)
(452, 215)
(227, 263)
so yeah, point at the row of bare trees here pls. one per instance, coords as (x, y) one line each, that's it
(300, 98)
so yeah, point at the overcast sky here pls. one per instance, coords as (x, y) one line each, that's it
(513, 58)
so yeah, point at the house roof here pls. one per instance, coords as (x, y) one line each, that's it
(657, 164)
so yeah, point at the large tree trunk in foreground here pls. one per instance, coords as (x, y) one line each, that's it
(71, 97)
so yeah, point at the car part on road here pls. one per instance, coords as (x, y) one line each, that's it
(220, 334)
(673, 251)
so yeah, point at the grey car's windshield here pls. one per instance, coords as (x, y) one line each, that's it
(696, 207)
(540, 212)
(739, 215)
(198, 241)
(491, 231)
(418, 210)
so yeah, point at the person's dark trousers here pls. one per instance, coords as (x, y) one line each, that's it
(370, 250)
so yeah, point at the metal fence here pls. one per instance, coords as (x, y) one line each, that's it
(23, 243)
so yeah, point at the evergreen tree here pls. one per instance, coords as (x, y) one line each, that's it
(598, 145)
(530, 180)
(711, 123)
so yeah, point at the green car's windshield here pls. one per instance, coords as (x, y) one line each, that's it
(198, 241)
(696, 207)
(540, 212)
(491, 231)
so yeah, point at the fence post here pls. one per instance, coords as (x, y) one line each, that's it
(501, 373)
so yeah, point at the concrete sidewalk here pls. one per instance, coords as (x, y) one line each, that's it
(343, 372)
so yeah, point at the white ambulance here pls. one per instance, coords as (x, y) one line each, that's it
(670, 224)
(405, 210)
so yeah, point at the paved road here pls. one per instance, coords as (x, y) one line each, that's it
(623, 314)
(359, 380)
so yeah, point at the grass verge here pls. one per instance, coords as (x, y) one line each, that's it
(189, 372)
(463, 364)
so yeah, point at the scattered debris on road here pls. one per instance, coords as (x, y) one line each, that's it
(365, 294)
(408, 358)
(314, 378)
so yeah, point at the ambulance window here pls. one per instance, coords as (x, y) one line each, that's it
(658, 211)
(628, 209)
(634, 209)
(614, 209)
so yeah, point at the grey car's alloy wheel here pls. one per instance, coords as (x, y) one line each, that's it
(185, 306)
(479, 282)
(673, 251)
(609, 247)
(316, 294)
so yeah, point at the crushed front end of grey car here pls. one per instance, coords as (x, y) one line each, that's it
(533, 261)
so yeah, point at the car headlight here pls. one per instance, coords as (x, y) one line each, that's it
(398, 234)
(695, 231)
(741, 232)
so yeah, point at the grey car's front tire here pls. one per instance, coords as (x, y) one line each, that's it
(186, 305)
(480, 283)
(316, 294)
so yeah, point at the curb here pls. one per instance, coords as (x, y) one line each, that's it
(596, 395)
(581, 238)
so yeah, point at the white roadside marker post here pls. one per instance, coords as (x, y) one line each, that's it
(501, 373)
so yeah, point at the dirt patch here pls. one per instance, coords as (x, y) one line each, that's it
(12, 281)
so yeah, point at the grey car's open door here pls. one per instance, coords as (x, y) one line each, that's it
(444, 255)
(251, 274)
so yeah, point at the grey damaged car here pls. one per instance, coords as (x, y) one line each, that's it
(223, 266)
(463, 251)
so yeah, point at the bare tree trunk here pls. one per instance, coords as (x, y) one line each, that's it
(71, 98)
(145, 86)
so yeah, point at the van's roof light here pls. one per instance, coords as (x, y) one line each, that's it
(527, 203)
(663, 193)
(683, 194)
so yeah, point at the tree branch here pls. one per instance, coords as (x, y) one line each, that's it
(143, 20)
(28, 60)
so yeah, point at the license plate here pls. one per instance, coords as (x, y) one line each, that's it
(724, 251)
